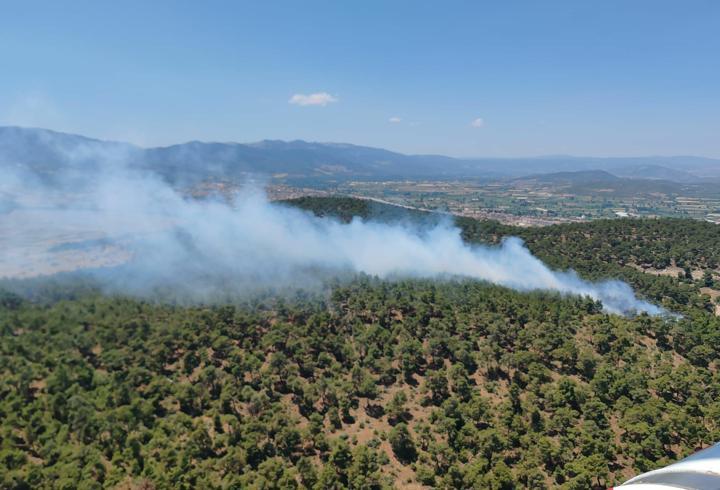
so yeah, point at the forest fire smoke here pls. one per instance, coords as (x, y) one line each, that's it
(206, 246)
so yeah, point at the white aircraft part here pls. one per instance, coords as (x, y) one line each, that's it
(701, 471)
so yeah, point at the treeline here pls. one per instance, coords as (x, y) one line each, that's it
(656, 243)
(598, 249)
(347, 208)
(379, 385)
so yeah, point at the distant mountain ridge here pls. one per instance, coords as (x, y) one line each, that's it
(49, 152)
(660, 173)
(572, 177)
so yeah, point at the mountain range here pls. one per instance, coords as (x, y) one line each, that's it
(48, 153)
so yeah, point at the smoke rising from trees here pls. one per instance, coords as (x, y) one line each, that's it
(211, 246)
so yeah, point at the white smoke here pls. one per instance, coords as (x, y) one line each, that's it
(203, 246)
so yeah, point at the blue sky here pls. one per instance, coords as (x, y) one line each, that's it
(475, 78)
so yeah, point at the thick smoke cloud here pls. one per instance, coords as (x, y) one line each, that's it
(207, 247)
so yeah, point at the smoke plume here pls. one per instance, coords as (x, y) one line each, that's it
(113, 215)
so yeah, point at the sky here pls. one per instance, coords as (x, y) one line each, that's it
(462, 78)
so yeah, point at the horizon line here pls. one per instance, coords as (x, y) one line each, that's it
(250, 143)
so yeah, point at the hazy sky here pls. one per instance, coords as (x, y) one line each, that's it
(603, 77)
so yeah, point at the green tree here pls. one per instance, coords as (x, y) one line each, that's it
(402, 443)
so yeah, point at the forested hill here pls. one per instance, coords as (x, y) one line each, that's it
(371, 384)
(618, 248)
(346, 208)
(411, 384)
(656, 243)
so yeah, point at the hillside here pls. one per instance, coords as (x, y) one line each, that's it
(660, 173)
(369, 384)
(616, 247)
(412, 384)
(647, 253)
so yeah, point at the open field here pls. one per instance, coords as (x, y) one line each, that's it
(531, 202)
